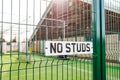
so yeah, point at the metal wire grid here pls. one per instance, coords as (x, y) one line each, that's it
(77, 17)
(112, 40)
(71, 31)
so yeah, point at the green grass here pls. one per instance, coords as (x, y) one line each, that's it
(49, 68)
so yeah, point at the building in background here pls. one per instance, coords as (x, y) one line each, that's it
(71, 20)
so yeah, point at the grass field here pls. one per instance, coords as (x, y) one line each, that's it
(49, 68)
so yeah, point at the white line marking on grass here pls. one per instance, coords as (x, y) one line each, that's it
(82, 70)
(43, 72)
(79, 69)
(86, 71)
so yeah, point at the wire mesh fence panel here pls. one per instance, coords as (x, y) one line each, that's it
(26, 25)
(112, 27)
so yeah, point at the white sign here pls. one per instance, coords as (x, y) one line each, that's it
(53, 48)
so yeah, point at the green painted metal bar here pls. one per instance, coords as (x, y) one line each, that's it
(99, 40)
(19, 42)
(26, 31)
(1, 61)
(96, 40)
(102, 38)
(11, 32)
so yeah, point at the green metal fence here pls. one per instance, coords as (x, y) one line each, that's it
(25, 26)
(112, 28)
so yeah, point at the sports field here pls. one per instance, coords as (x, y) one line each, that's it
(50, 68)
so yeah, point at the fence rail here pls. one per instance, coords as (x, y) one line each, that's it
(25, 26)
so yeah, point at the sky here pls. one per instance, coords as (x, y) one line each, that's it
(113, 5)
(17, 11)
(23, 13)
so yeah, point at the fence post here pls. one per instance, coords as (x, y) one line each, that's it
(102, 33)
(98, 23)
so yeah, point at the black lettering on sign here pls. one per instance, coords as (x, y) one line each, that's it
(88, 47)
(53, 47)
(73, 46)
(59, 48)
(83, 47)
(68, 47)
(78, 47)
